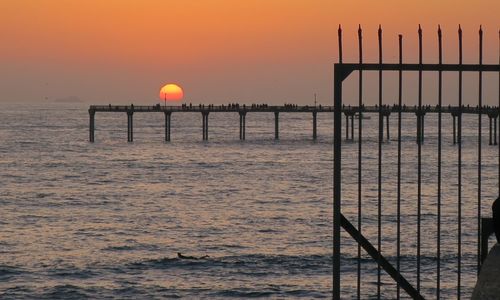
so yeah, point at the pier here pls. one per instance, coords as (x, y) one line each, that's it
(349, 111)
(205, 111)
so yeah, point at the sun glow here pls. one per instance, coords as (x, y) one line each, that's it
(171, 92)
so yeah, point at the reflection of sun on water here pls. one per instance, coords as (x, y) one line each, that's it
(171, 92)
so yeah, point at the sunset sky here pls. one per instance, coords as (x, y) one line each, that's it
(219, 51)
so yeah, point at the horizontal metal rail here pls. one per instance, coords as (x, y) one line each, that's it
(347, 69)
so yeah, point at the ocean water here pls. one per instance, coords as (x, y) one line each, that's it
(105, 220)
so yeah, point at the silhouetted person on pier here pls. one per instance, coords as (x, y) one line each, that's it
(496, 218)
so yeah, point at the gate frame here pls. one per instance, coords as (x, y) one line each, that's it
(341, 72)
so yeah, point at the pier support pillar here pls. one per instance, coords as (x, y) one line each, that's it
(495, 131)
(91, 125)
(490, 132)
(352, 127)
(492, 116)
(130, 123)
(168, 114)
(315, 135)
(457, 120)
(454, 130)
(349, 115)
(420, 126)
(276, 125)
(346, 126)
(205, 125)
(242, 124)
(387, 127)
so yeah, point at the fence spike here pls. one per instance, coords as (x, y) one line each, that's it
(480, 44)
(340, 43)
(360, 43)
(419, 44)
(380, 43)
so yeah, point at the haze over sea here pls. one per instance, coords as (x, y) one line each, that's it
(105, 220)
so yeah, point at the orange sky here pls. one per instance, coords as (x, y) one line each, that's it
(274, 51)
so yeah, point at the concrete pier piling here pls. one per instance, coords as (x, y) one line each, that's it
(420, 126)
(242, 124)
(315, 135)
(130, 128)
(457, 118)
(168, 115)
(492, 116)
(91, 125)
(349, 118)
(205, 124)
(276, 125)
(386, 113)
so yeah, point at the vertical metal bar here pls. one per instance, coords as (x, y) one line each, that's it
(360, 128)
(400, 104)
(495, 118)
(479, 154)
(337, 167)
(440, 104)
(380, 140)
(419, 161)
(459, 254)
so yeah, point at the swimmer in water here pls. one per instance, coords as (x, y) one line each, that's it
(180, 256)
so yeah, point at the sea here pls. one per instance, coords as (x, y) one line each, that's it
(106, 220)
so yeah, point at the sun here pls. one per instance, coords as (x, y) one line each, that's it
(171, 92)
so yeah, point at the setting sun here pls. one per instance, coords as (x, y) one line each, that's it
(171, 92)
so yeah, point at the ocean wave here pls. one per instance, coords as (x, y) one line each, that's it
(254, 264)
(7, 272)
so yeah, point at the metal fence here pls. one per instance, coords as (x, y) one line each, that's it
(375, 248)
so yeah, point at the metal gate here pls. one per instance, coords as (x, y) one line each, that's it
(375, 249)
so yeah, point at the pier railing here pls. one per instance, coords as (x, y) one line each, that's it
(376, 247)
